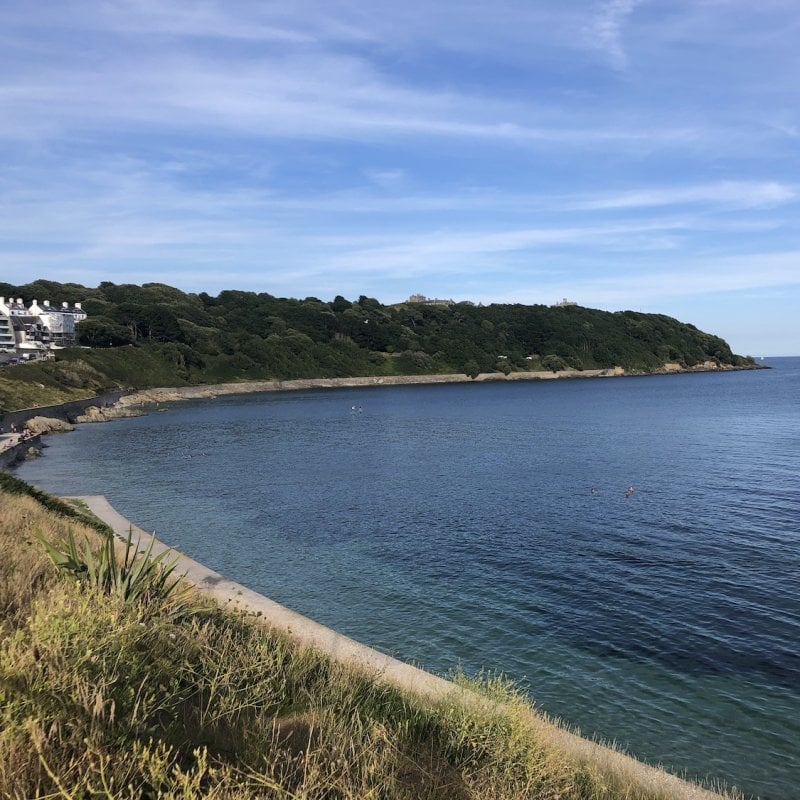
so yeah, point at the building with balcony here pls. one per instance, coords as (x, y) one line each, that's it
(36, 328)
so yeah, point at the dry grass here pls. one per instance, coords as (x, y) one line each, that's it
(25, 572)
(98, 698)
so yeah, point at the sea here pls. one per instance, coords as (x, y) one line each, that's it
(626, 550)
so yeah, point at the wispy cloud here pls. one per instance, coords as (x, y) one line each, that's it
(710, 276)
(606, 29)
(325, 97)
(387, 148)
(727, 194)
(123, 208)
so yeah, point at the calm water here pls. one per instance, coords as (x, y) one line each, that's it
(487, 526)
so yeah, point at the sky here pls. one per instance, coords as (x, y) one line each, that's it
(624, 154)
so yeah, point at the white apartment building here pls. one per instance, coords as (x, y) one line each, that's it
(60, 321)
(35, 328)
(7, 341)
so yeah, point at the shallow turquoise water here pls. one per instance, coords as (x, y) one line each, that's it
(487, 526)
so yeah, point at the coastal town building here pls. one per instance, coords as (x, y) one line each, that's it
(30, 333)
(35, 330)
(7, 340)
(60, 322)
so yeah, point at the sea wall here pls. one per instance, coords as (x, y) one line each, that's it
(120, 404)
(64, 411)
(169, 394)
(14, 453)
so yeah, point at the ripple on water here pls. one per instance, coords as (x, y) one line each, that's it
(457, 525)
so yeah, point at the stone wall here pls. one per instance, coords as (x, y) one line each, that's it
(63, 411)
(19, 452)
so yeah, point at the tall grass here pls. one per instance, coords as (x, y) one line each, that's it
(100, 697)
(11, 485)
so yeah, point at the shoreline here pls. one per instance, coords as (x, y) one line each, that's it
(210, 390)
(142, 397)
(131, 402)
(338, 646)
(309, 633)
(383, 667)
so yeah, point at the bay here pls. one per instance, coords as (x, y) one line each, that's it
(488, 526)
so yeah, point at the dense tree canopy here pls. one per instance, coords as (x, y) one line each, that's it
(241, 334)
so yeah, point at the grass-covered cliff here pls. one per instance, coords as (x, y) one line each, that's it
(155, 335)
(176, 698)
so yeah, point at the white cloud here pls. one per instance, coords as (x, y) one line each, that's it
(386, 178)
(370, 144)
(320, 97)
(654, 288)
(605, 31)
(732, 194)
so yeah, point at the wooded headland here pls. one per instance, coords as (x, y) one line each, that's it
(155, 335)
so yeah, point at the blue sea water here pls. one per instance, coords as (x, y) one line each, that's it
(487, 525)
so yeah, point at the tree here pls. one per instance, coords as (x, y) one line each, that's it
(102, 332)
(340, 304)
(150, 322)
(472, 369)
(553, 362)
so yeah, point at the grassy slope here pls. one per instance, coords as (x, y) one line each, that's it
(97, 697)
(82, 373)
(16, 395)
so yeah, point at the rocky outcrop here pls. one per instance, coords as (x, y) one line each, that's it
(105, 413)
(47, 425)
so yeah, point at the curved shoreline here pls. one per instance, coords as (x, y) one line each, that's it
(382, 667)
(209, 390)
(124, 403)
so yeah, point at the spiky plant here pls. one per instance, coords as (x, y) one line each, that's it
(133, 577)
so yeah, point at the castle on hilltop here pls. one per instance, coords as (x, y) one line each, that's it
(429, 301)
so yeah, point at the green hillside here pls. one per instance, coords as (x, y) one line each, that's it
(156, 335)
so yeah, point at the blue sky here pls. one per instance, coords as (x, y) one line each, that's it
(626, 154)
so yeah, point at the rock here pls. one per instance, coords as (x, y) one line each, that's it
(97, 414)
(90, 414)
(149, 397)
(38, 425)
